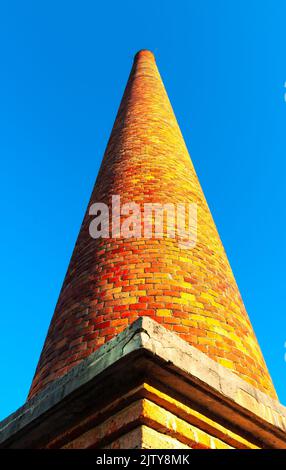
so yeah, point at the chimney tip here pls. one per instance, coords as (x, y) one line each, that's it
(144, 53)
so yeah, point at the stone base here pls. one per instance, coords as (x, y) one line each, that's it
(147, 389)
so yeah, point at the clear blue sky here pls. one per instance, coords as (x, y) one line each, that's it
(64, 65)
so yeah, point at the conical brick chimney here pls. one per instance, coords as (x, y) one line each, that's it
(150, 346)
(111, 282)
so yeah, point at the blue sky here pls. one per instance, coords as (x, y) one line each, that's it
(64, 66)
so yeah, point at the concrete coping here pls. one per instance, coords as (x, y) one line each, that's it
(145, 336)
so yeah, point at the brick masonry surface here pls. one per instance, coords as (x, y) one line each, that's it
(111, 282)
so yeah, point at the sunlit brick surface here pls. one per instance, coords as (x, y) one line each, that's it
(110, 282)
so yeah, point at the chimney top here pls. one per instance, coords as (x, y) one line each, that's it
(144, 53)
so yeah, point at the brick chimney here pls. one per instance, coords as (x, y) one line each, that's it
(189, 295)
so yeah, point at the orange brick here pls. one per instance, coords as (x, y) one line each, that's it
(190, 291)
